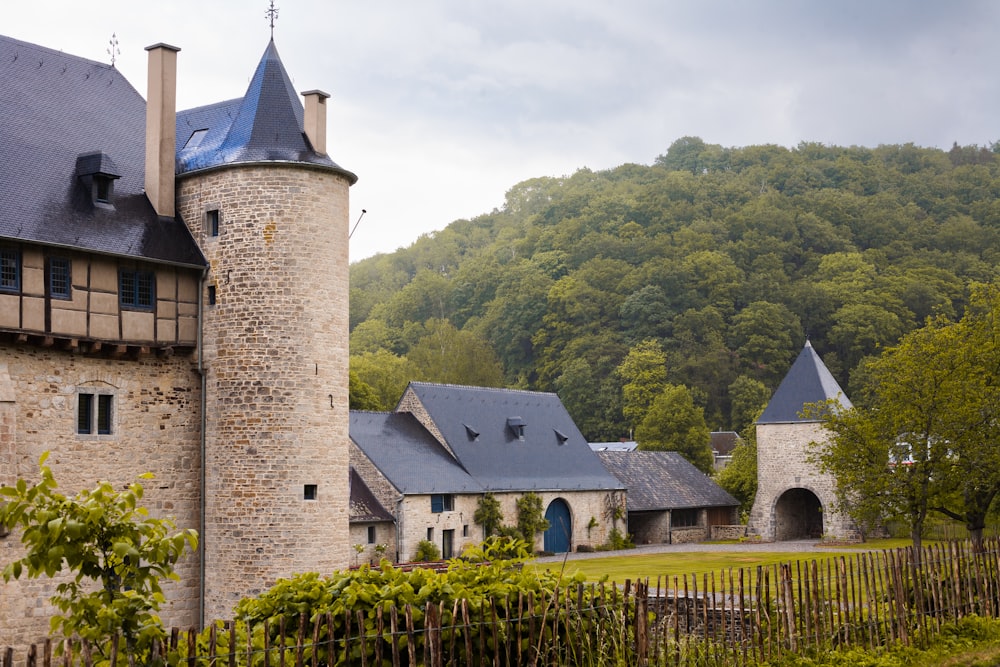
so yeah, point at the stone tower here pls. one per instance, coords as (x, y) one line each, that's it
(269, 209)
(794, 499)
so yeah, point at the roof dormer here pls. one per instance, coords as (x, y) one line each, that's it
(98, 173)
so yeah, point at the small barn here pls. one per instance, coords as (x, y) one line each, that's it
(668, 499)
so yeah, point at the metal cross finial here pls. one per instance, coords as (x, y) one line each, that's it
(272, 14)
(113, 49)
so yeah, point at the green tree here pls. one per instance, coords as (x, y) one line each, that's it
(739, 477)
(530, 517)
(386, 373)
(925, 438)
(675, 424)
(116, 553)
(451, 356)
(488, 514)
(362, 396)
(644, 376)
(747, 398)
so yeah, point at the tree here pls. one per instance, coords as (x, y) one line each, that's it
(489, 515)
(451, 356)
(644, 376)
(675, 424)
(739, 477)
(386, 373)
(362, 396)
(925, 440)
(117, 555)
(530, 517)
(747, 398)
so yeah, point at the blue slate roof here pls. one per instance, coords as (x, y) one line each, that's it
(408, 455)
(481, 427)
(664, 481)
(63, 118)
(265, 125)
(365, 507)
(807, 381)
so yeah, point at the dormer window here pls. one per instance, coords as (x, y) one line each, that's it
(516, 426)
(98, 173)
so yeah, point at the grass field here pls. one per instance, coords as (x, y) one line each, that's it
(624, 565)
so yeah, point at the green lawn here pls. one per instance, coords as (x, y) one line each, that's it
(624, 566)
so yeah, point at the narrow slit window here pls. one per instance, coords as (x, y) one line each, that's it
(212, 222)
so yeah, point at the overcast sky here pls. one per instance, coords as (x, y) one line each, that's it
(440, 106)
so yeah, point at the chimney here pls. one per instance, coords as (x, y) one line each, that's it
(315, 119)
(161, 127)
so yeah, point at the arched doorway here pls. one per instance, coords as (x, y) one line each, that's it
(798, 515)
(557, 537)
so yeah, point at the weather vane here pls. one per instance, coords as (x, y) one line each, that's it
(113, 49)
(271, 14)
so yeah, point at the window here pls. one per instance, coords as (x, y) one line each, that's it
(211, 295)
(430, 534)
(371, 534)
(309, 492)
(102, 188)
(212, 222)
(94, 414)
(136, 289)
(442, 503)
(59, 277)
(10, 269)
(447, 544)
(465, 530)
(195, 139)
(683, 518)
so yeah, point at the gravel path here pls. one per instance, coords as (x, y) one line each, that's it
(794, 546)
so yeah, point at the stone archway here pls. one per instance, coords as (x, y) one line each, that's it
(798, 515)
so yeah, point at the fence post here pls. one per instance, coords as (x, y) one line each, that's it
(789, 594)
(641, 624)
(432, 620)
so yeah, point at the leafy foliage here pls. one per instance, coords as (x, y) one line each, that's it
(923, 440)
(725, 257)
(675, 424)
(115, 552)
(488, 514)
(530, 517)
(426, 551)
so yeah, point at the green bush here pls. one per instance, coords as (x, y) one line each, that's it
(483, 574)
(426, 551)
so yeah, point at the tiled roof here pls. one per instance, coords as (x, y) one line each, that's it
(365, 507)
(724, 442)
(265, 125)
(408, 455)
(664, 481)
(59, 114)
(479, 425)
(807, 381)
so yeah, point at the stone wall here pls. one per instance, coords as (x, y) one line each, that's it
(156, 428)
(783, 464)
(734, 532)
(385, 533)
(276, 359)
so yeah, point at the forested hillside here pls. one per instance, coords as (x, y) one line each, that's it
(726, 258)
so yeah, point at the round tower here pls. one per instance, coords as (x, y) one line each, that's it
(269, 209)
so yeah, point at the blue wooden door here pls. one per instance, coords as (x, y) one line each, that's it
(557, 537)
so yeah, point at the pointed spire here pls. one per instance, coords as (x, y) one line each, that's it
(807, 381)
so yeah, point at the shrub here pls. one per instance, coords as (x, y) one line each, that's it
(426, 551)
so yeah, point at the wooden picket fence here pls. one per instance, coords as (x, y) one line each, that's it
(741, 616)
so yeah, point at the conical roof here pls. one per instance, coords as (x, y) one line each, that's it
(807, 381)
(265, 125)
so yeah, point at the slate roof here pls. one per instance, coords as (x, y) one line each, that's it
(408, 455)
(265, 125)
(478, 423)
(365, 507)
(664, 481)
(807, 381)
(724, 442)
(54, 110)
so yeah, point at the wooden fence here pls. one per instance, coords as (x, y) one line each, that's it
(740, 616)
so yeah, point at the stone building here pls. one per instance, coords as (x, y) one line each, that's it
(431, 460)
(173, 299)
(795, 500)
(669, 500)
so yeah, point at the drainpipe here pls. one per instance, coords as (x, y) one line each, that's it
(204, 476)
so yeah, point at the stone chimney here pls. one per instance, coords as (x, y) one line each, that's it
(315, 119)
(161, 127)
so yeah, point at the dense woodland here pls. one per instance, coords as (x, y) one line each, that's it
(724, 259)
